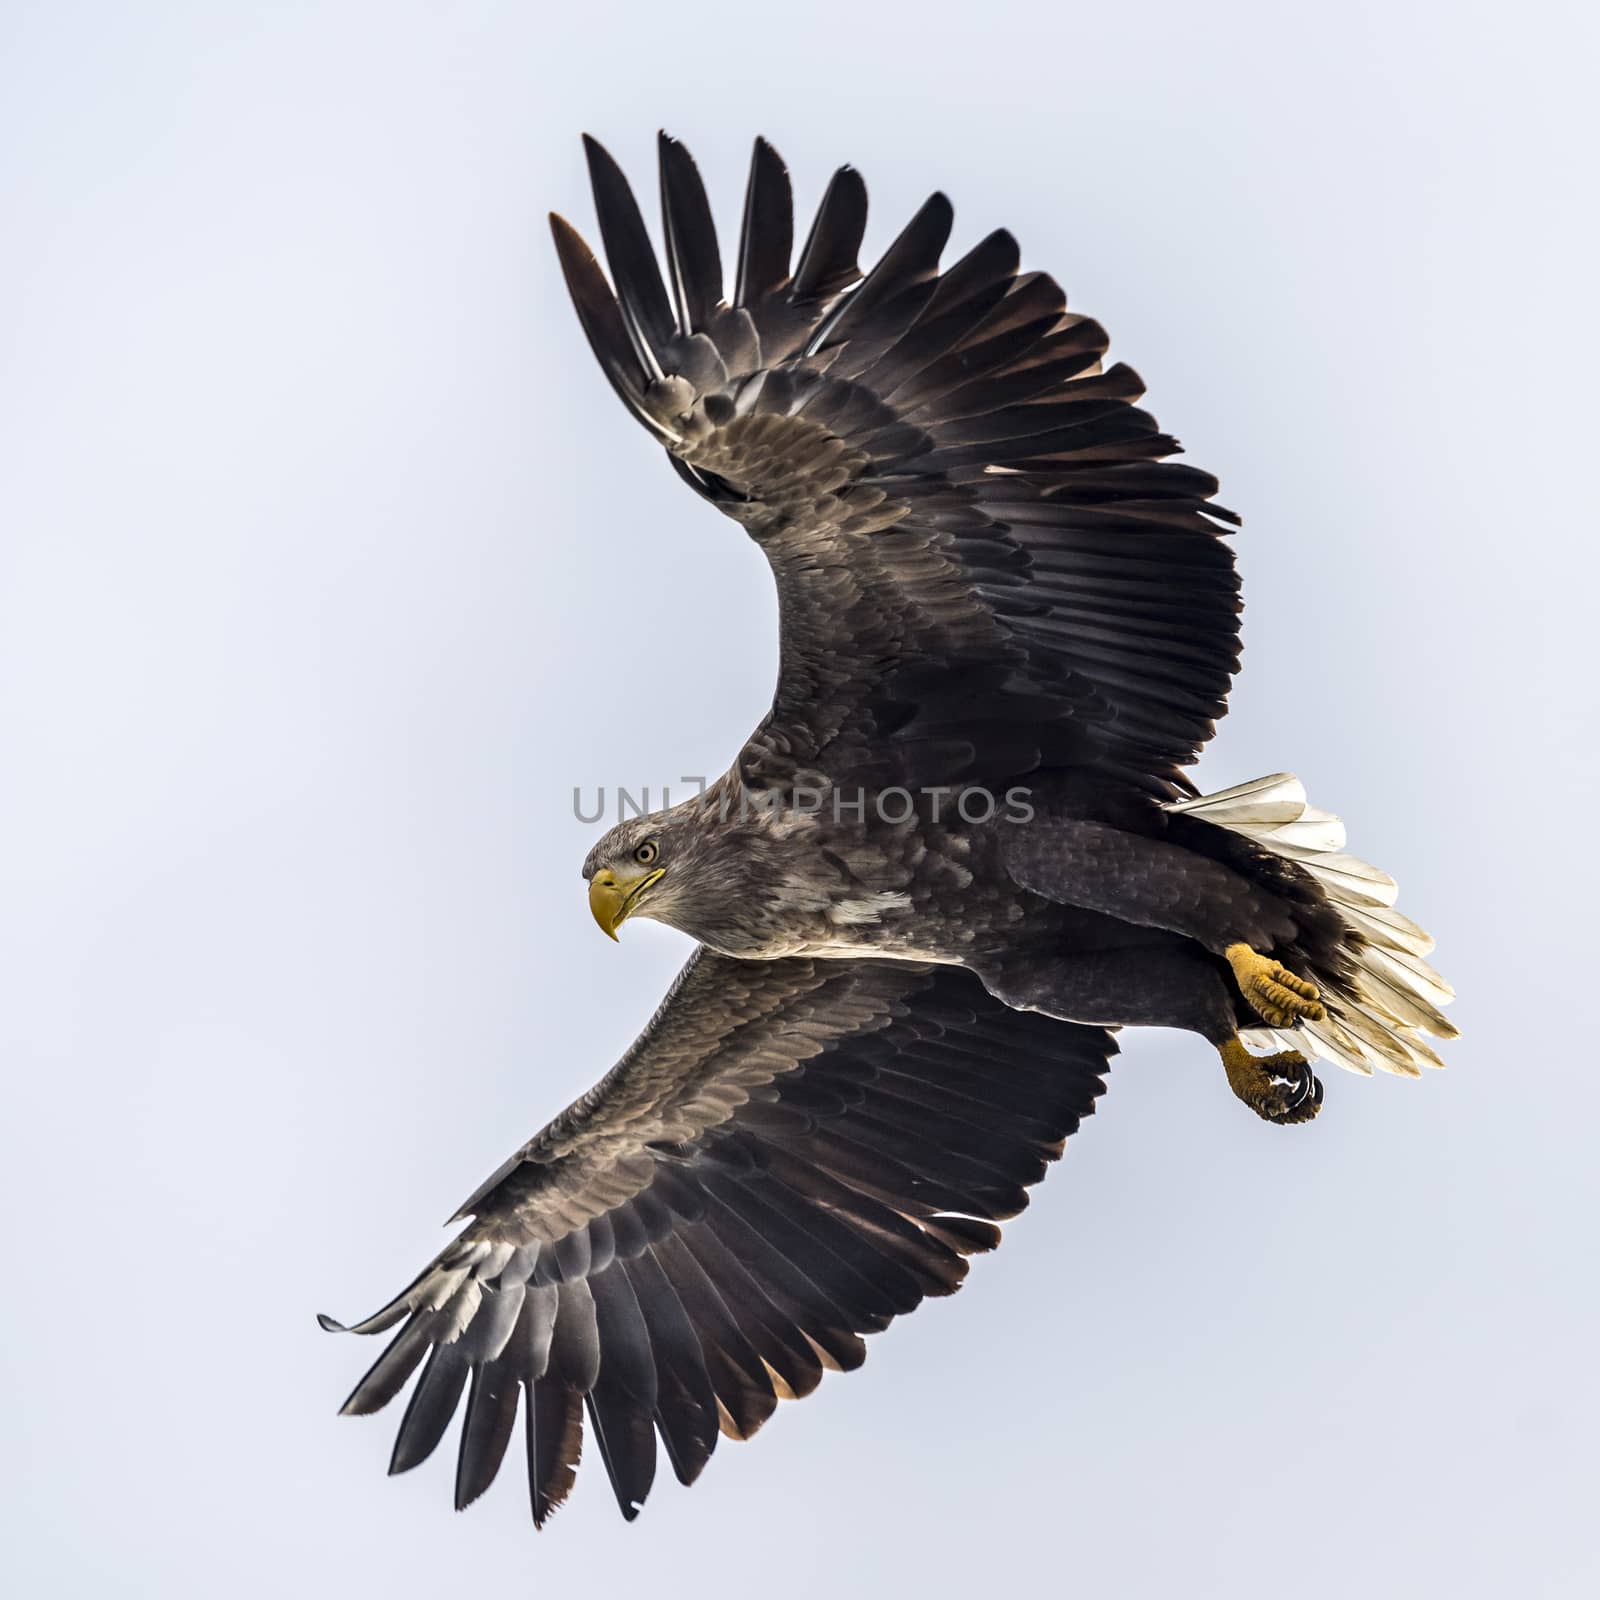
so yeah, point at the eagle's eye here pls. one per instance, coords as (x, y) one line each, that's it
(646, 853)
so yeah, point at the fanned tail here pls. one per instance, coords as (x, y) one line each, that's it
(1390, 997)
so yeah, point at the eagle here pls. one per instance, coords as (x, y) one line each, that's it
(959, 853)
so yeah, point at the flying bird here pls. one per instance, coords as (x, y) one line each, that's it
(958, 853)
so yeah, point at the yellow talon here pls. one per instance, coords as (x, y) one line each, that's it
(1272, 989)
(1279, 1088)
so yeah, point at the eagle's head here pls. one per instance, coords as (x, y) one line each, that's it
(717, 875)
(628, 866)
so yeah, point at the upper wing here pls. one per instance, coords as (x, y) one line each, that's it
(791, 1154)
(984, 567)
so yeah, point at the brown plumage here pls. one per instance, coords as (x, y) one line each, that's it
(991, 584)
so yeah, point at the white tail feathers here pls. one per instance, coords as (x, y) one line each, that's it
(1379, 1017)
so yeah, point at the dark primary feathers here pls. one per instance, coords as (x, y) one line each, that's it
(942, 477)
(793, 1153)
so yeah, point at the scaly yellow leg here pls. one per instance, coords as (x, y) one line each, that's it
(1279, 1088)
(1272, 989)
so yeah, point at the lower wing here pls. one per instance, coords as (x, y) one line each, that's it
(792, 1154)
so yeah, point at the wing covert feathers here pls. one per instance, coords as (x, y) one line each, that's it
(793, 1154)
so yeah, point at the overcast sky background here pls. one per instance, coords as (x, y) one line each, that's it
(330, 566)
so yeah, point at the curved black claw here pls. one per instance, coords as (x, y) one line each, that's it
(1298, 1086)
(1280, 1088)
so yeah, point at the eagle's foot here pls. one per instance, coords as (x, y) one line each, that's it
(1277, 995)
(1280, 1088)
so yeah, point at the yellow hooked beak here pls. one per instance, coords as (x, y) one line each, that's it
(611, 898)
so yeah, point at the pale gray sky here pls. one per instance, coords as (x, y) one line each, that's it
(310, 491)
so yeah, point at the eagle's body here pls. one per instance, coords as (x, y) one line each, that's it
(761, 877)
(959, 850)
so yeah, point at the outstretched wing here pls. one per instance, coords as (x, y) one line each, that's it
(793, 1153)
(984, 567)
